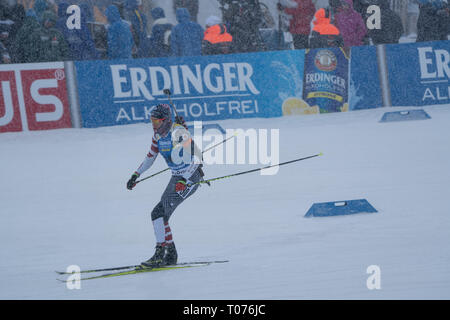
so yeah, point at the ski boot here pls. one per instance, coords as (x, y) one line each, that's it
(171, 256)
(157, 259)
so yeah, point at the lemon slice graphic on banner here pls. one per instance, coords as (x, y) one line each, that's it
(294, 105)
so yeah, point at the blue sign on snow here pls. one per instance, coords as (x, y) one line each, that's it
(338, 208)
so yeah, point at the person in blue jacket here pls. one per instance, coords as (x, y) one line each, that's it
(161, 34)
(187, 36)
(120, 39)
(79, 41)
(138, 26)
(40, 6)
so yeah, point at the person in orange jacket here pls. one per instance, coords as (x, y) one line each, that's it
(324, 33)
(217, 40)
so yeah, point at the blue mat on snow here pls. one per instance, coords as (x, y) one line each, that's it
(406, 115)
(339, 208)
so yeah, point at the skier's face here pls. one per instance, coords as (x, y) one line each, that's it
(157, 122)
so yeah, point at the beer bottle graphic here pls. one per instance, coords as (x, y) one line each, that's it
(325, 81)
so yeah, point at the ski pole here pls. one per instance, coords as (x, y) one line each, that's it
(155, 174)
(254, 170)
(168, 93)
(217, 144)
(212, 147)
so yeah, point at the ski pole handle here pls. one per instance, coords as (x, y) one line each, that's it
(167, 92)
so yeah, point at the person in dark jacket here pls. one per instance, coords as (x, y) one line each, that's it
(432, 23)
(243, 19)
(391, 26)
(80, 41)
(52, 45)
(361, 6)
(187, 36)
(17, 15)
(217, 40)
(120, 39)
(161, 34)
(25, 45)
(191, 5)
(138, 26)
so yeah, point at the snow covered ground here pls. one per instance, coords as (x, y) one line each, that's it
(64, 202)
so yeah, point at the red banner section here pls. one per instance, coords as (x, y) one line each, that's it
(33, 97)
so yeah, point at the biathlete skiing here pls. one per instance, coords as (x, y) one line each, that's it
(172, 140)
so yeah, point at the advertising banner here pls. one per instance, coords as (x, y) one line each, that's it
(338, 80)
(364, 82)
(203, 88)
(33, 97)
(419, 73)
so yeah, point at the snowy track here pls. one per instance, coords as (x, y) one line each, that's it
(64, 202)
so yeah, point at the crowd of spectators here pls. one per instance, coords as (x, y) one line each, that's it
(41, 33)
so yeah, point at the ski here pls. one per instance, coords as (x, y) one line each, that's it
(137, 266)
(136, 271)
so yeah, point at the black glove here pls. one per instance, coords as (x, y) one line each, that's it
(180, 120)
(132, 182)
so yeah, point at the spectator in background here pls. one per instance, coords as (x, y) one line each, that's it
(138, 26)
(120, 39)
(3, 10)
(120, 4)
(300, 23)
(187, 36)
(6, 23)
(216, 40)
(243, 19)
(361, 6)
(79, 41)
(40, 6)
(87, 11)
(12, 17)
(191, 5)
(161, 34)
(25, 45)
(52, 46)
(4, 55)
(391, 26)
(17, 15)
(432, 23)
(350, 24)
(324, 34)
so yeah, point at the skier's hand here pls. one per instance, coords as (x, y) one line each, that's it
(132, 182)
(180, 185)
(180, 120)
